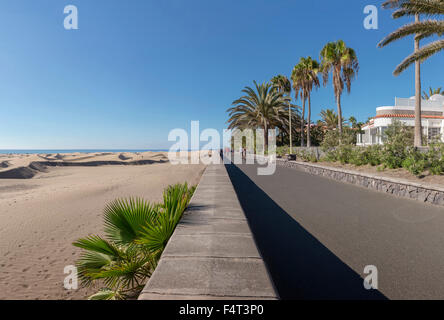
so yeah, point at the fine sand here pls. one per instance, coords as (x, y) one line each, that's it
(40, 217)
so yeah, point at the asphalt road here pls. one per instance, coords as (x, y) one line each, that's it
(317, 235)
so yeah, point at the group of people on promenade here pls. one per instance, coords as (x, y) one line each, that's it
(243, 151)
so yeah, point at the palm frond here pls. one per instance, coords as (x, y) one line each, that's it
(259, 108)
(98, 244)
(125, 218)
(427, 95)
(423, 53)
(89, 264)
(98, 254)
(105, 294)
(414, 7)
(342, 62)
(155, 235)
(281, 83)
(127, 274)
(423, 29)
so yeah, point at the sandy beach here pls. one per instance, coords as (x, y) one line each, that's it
(62, 201)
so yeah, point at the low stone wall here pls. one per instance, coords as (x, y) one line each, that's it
(212, 253)
(401, 188)
(316, 151)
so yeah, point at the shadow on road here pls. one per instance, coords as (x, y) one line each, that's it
(301, 267)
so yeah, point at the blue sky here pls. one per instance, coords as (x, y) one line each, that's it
(136, 69)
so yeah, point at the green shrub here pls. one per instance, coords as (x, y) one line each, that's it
(306, 155)
(374, 155)
(366, 155)
(397, 138)
(332, 139)
(282, 150)
(435, 159)
(414, 161)
(329, 156)
(359, 156)
(396, 152)
(136, 233)
(344, 153)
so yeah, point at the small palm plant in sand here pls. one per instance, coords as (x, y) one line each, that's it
(136, 233)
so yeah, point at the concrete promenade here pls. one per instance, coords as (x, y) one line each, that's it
(212, 253)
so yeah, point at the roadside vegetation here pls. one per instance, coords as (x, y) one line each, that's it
(136, 233)
(337, 136)
(398, 151)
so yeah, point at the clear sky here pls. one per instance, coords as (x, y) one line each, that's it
(136, 69)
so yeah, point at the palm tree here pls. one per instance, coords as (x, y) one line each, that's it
(297, 76)
(426, 96)
(355, 124)
(305, 78)
(421, 30)
(283, 85)
(329, 119)
(342, 62)
(263, 108)
(353, 121)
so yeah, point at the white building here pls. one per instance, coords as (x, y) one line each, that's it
(432, 118)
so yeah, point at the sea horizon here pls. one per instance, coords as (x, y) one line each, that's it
(51, 151)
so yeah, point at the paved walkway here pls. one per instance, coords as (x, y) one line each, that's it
(316, 236)
(212, 254)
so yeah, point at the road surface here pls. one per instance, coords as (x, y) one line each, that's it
(317, 235)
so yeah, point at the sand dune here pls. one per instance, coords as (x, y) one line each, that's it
(4, 164)
(23, 166)
(42, 216)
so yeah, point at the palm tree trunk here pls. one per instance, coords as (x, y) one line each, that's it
(265, 137)
(339, 115)
(418, 125)
(308, 121)
(302, 120)
(289, 130)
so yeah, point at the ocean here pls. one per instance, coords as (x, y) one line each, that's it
(52, 151)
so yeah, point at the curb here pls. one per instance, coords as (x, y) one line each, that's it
(431, 194)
